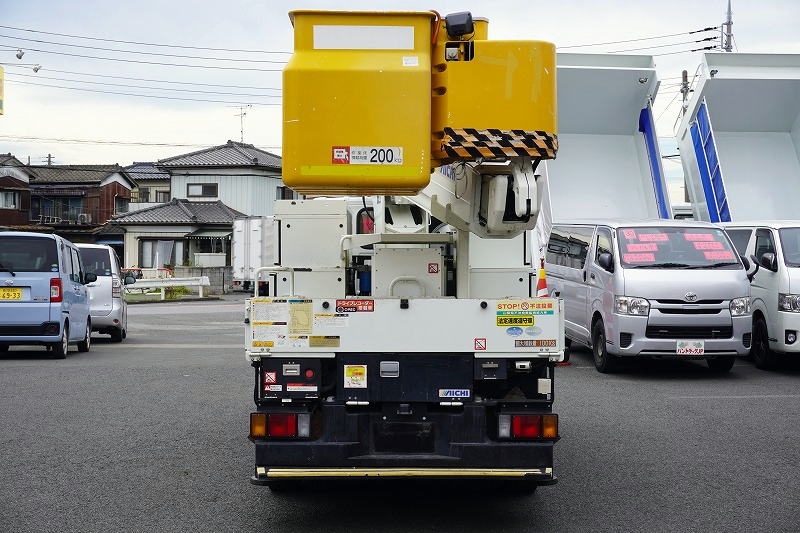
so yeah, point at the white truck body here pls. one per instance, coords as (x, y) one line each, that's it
(253, 245)
(740, 137)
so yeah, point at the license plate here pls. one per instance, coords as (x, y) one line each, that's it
(7, 293)
(691, 347)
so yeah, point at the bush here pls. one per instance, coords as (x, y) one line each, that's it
(173, 293)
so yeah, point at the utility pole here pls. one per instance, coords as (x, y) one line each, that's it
(726, 37)
(241, 114)
(48, 159)
(684, 90)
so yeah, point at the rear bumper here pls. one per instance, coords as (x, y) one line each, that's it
(349, 445)
(541, 476)
(30, 333)
(107, 321)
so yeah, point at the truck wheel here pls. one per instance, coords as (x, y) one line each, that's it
(86, 343)
(567, 348)
(763, 357)
(116, 334)
(721, 365)
(61, 349)
(604, 362)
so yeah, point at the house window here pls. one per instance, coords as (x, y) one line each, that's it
(162, 196)
(201, 190)
(121, 204)
(155, 253)
(9, 200)
(284, 193)
(144, 194)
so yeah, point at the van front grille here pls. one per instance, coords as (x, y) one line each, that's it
(693, 311)
(689, 332)
(677, 302)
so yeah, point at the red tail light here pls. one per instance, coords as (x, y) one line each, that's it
(526, 426)
(282, 425)
(56, 293)
(116, 287)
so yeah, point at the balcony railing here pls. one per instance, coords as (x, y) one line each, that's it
(57, 215)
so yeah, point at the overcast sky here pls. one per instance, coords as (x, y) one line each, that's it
(46, 112)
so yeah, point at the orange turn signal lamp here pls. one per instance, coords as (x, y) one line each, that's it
(527, 427)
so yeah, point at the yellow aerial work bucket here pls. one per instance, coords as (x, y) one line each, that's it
(357, 103)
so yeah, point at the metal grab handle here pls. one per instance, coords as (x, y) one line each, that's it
(259, 270)
(398, 279)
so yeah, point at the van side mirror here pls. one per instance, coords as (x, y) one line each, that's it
(745, 262)
(89, 277)
(769, 261)
(606, 261)
(130, 280)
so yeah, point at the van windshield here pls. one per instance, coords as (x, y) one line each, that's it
(790, 242)
(28, 254)
(97, 261)
(675, 247)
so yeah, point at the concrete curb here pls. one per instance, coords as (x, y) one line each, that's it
(182, 300)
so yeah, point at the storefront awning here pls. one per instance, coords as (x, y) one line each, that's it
(210, 234)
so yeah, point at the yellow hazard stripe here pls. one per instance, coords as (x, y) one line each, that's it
(406, 472)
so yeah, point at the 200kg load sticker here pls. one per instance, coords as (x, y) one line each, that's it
(367, 155)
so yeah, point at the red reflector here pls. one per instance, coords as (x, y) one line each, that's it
(56, 294)
(526, 426)
(281, 425)
(309, 373)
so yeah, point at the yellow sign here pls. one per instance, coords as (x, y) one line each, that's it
(515, 320)
(319, 341)
(10, 293)
(263, 344)
(2, 80)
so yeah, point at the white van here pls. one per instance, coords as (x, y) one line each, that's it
(775, 247)
(657, 288)
(107, 301)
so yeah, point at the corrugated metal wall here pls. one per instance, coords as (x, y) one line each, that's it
(252, 195)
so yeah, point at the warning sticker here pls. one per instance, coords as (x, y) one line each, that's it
(268, 310)
(263, 344)
(480, 345)
(300, 317)
(273, 388)
(433, 268)
(537, 307)
(300, 387)
(535, 343)
(270, 377)
(355, 306)
(367, 155)
(517, 320)
(323, 341)
(331, 320)
(355, 376)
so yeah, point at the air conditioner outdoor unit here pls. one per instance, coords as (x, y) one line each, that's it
(84, 218)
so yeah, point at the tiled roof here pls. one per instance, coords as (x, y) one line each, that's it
(231, 154)
(145, 171)
(181, 211)
(8, 160)
(76, 173)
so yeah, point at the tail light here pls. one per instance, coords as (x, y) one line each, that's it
(116, 287)
(56, 292)
(526, 427)
(279, 425)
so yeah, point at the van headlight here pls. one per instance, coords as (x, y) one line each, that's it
(740, 306)
(630, 305)
(789, 302)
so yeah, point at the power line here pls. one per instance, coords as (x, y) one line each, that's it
(142, 62)
(147, 79)
(139, 95)
(146, 43)
(669, 104)
(130, 143)
(687, 51)
(663, 45)
(639, 39)
(140, 52)
(38, 76)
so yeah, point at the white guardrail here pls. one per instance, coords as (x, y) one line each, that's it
(163, 283)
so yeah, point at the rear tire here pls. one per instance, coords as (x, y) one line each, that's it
(567, 349)
(117, 334)
(61, 348)
(86, 343)
(721, 365)
(763, 357)
(604, 362)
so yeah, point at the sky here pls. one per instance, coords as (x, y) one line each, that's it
(183, 126)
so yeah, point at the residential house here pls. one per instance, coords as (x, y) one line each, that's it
(78, 195)
(152, 185)
(243, 177)
(15, 194)
(179, 232)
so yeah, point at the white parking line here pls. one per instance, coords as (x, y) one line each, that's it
(741, 397)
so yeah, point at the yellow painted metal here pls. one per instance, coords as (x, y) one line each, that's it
(406, 472)
(372, 91)
(506, 85)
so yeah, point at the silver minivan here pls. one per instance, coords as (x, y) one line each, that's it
(106, 299)
(656, 288)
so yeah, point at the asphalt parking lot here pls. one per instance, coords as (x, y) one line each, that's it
(150, 435)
